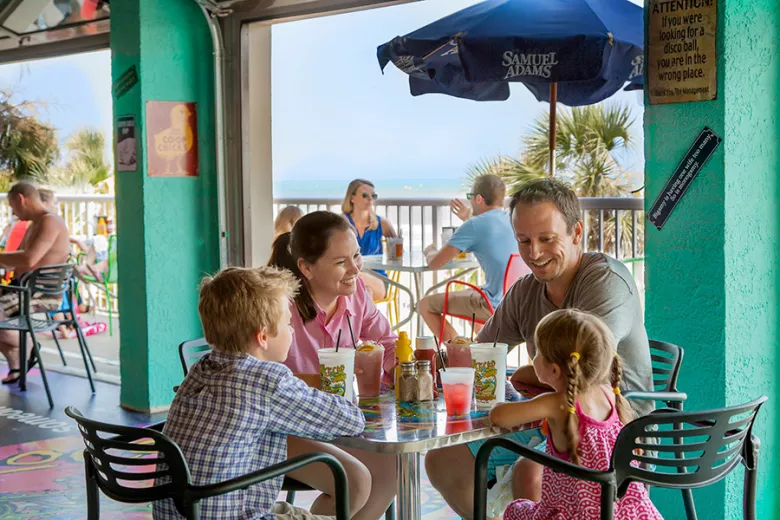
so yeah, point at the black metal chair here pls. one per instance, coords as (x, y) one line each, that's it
(117, 458)
(191, 351)
(667, 359)
(54, 282)
(673, 449)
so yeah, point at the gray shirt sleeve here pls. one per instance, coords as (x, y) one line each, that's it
(607, 295)
(505, 322)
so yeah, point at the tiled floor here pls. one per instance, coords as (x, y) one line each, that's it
(41, 464)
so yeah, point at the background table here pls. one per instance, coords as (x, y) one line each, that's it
(407, 429)
(414, 262)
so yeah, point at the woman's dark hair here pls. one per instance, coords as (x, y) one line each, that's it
(309, 240)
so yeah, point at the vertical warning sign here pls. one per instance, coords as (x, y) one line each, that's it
(682, 60)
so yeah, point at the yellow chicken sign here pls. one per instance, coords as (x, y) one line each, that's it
(172, 143)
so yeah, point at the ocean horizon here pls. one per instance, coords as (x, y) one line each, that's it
(385, 188)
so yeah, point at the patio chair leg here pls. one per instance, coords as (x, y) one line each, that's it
(36, 347)
(23, 360)
(290, 497)
(93, 494)
(690, 508)
(84, 352)
(110, 311)
(74, 322)
(57, 342)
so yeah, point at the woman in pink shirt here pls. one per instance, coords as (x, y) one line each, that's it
(323, 252)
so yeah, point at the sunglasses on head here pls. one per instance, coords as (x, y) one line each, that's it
(366, 195)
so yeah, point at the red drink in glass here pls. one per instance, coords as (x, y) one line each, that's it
(368, 369)
(458, 386)
(459, 352)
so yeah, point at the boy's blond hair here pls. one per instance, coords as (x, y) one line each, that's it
(237, 302)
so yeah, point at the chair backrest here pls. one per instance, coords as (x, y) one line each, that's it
(667, 359)
(133, 464)
(112, 273)
(684, 450)
(191, 351)
(515, 269)
(52, 280)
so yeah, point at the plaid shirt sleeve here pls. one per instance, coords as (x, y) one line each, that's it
(297, 409)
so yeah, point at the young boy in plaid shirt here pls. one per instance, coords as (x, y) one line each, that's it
(237, 405)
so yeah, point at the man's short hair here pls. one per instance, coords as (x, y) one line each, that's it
(492, 189)
(237, 303)
(550, 190)
(26, 189)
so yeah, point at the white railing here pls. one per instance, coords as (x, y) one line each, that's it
(421, 220)
(80, 212)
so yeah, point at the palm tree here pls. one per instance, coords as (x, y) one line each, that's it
(28, 147)
(588, 141)
(85, 164)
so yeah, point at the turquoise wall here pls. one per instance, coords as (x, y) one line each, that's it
(712, 276)
(169, 226)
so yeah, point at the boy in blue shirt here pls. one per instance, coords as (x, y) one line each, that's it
(489, 235)
(237, 405)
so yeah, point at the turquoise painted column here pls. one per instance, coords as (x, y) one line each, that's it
(713, 271)
(168, 227)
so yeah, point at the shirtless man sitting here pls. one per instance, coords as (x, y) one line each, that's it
(46, 243)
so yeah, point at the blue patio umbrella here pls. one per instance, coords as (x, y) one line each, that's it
(577, 52)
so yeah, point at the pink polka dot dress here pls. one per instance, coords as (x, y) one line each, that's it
(567, 498)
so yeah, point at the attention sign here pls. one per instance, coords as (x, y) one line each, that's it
(681, 53)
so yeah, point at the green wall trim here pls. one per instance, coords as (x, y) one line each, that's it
(713, 274)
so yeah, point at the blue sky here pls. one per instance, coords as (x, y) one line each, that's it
(335, 115)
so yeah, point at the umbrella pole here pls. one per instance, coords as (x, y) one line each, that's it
(553, 107)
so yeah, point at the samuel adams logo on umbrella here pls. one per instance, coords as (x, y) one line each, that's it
(519, 64)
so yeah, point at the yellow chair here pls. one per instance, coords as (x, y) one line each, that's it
(391, 299)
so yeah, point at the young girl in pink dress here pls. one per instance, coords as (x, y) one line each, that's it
(582, 418)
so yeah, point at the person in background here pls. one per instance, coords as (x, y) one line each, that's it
(286, 219)
(488, 234)
(235, 409)
(45, 243)
(333, 302)
(358, 207)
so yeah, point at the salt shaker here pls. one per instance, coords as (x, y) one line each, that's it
(407, 383)
(424, 381)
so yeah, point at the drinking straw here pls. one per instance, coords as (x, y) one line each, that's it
(338, 340)
(498, 329)
(441, 357)
(352, 334)
(473, 318)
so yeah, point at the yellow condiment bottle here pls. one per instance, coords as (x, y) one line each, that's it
(403, 353)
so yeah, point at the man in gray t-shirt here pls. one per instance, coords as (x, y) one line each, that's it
(602, 286)
(546, 221)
